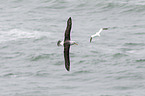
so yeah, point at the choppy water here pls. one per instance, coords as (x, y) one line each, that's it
(32, 65)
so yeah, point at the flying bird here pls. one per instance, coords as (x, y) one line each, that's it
(67, 43)
(97, 33)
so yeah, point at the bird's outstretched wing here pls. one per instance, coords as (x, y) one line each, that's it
(67, 45)
(66, 56)
(68, 29)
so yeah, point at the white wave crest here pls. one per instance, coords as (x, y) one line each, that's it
(16, 34)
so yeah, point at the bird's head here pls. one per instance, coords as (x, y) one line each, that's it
(59, 43)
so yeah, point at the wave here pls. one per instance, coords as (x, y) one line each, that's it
(140, 60)
(35, 57)
(141, 33)
(125, 7)
(122, 7)
(119, 55)
(134, 44)
(16, 34)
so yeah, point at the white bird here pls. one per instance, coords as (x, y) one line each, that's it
(97, 33)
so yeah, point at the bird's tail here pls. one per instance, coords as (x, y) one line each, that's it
(58, 43)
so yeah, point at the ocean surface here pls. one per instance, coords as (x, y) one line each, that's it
(31, 63)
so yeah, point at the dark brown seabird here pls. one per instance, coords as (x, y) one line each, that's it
(66, 43)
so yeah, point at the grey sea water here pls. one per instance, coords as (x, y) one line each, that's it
(31, 64)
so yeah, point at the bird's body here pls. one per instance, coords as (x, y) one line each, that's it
(67, 43)
(97, 33)
(61, 43)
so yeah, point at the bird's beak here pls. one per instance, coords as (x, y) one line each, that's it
(76, 44)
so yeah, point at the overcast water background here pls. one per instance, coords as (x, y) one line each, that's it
(31, 64)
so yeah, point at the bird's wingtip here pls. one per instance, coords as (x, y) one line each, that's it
(105, 28)
(69, 18)
(69, 21)
(67, 68)
(90, 39)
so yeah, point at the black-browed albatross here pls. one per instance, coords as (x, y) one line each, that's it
(66, 43)
(97, 33)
